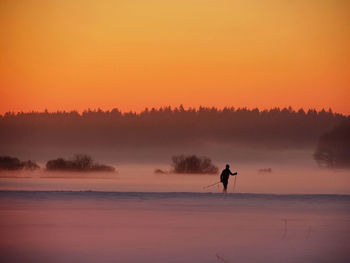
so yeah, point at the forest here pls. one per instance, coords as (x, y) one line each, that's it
(166, 126)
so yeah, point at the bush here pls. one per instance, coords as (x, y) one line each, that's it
(193, 165)
(333, 149)
(13, 163)
(80, 162)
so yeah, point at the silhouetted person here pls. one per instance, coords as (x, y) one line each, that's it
(225, 175)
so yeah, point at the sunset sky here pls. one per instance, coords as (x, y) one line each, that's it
(79, 54)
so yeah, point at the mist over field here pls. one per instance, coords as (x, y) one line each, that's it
(273, 151)
(281, 207)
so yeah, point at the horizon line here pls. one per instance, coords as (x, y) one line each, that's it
(172, 108)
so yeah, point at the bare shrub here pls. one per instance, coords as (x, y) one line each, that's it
(193, 164)
(80, 162)
(13, 163)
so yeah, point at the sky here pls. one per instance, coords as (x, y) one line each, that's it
(80, 54)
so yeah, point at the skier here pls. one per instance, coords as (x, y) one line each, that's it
(225, 174)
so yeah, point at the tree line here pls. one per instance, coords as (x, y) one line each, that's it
(167, 126)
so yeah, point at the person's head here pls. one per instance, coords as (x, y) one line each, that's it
(227, 166)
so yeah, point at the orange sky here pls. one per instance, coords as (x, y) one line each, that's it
(78, 54)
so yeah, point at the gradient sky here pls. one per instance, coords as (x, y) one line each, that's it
(79, 54)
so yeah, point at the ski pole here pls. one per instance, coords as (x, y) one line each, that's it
(211, 185)
(234, 184)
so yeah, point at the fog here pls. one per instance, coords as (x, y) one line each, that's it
(292, 172)
(135, 215)
(282, 207)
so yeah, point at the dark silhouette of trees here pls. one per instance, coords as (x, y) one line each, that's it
(193, 164)
(333, 149)
(165, 127)
(80, 163)
(10, 163)
(13, 163)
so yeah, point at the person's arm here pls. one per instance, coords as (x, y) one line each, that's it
(233, 173)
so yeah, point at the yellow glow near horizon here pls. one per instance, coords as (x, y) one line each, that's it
(64, 55)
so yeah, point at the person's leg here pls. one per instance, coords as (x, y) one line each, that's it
(225, 186)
